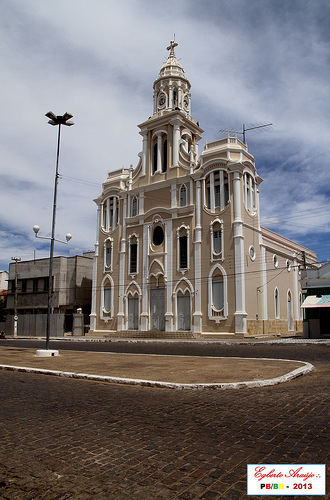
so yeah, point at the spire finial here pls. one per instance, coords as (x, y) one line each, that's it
(171, 47)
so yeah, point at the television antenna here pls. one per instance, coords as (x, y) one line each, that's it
(245, 129)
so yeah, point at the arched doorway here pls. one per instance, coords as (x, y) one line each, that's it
(290, 311)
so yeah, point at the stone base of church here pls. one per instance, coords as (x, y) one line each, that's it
(272, 326)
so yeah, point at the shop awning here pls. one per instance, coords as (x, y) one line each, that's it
(316, 301)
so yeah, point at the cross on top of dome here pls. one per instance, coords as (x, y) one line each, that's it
(171, 47)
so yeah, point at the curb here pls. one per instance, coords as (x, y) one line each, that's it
(246, 341)
(306, 368)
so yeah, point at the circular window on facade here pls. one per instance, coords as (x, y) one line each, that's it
(158, 236)
(275, 260)
(252, 253)
(288, 265)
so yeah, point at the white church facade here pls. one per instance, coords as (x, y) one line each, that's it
(179, 245)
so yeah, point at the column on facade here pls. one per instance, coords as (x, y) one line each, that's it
(191, 192)
(145, 271)
(144, 151)
(222, 190)
(179, 96)
(168, 273)
(121, 278)
(212, 200)
(159, 151)
(245, 190)
(170, 95)
(155, 101)
(173, 196)
(176, 142)
(197, 315)
(141, 203)
(240, 313)
(263, 288)
(114, 213)
(130, 178)
(107, 228)
(94, 284)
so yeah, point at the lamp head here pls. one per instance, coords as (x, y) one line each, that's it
(36, 229)
(68, 237)
(59, 120)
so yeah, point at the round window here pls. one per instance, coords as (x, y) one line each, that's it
(252, 253)
(158, 236)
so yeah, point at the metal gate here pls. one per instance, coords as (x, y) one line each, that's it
(133, 313)
(183, 307)
(157, 309)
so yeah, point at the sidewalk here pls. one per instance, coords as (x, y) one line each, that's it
(178, 372)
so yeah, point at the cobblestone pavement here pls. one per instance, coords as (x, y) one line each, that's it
(64, 438)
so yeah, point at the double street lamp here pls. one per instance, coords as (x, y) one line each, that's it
(54, 120)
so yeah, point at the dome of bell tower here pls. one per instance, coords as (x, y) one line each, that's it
(171, 67)
(171, 88)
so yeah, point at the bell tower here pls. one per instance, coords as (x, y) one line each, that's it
(171, 89)
(170, 135)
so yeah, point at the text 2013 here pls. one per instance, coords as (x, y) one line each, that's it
(302, 486)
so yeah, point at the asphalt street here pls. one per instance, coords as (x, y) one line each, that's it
(64, 438)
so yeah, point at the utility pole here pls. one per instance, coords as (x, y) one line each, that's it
(16, 259)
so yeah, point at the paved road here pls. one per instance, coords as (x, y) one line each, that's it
(283, 348)
(63, 438)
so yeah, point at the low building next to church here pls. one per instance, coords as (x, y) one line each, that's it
(71, 290)
(179, 243)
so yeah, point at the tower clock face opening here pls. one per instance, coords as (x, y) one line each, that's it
(158, 236)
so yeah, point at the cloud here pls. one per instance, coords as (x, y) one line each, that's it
(248, 63)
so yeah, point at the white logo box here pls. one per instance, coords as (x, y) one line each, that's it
(286, 479)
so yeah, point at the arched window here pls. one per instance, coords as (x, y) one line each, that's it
(108, 252)
(217, 282)
(249, 193)
(277, 303)
(133, 255)
(183, 196)
(216, 228)
(154, 157)
(106, 298)
(164, 165)
(290, 311)
(183, 249)
(134, 206)
(217, 294)
(110, 213)
(217, 190)
(175, 97)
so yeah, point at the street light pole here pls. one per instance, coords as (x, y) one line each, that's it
(16, 259)
(54, 120)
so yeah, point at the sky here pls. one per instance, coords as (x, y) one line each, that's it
(249, 62)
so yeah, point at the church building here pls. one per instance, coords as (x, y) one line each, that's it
(179, 247)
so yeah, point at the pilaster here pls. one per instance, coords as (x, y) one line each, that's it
(120, 315)
(145, 308)
(240, 313)
(197, 314)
